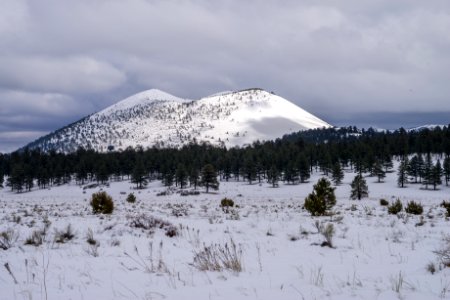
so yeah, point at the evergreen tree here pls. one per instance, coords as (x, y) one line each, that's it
(194, 177)
(337, 174)
(138, 175)
(209, 178)
(436, 174)
(43, 179)
(415, 167)
(29, 179)
(17, 178)
(273, 176)
(446, 170)
(2, 178)
(321, 199)
(101, 172)
(359, 188)
(378, 171)
(403, 172)
(428, 171)
(303, 168)
(181, 176)
(249, 170)
(387, 163)
(290, 173)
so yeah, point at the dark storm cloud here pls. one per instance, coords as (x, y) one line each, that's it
(61, 60)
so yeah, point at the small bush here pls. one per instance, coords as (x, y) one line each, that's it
(414, 208)
(226, 203)
(102, 203)
(384, 202)
(446, 205)
(131, 198)
(395, 207)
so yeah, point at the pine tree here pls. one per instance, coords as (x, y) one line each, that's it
(181, 176)
(194, 177)
(2, 178)
(387, 163)
(337, 174)
(379, 171)
(290, 173)
(138, 175)
(17, 178)
(446, 170)
(414, 167)
(101, 172)
(436, 174)
(29, 179)
(273, 176)
(209, 178)
(403, 172)
(249, 170)
(303, 168)
(359, 188)
(428, 171)
(321, 199)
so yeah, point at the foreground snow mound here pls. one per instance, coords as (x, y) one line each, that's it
(156, 118)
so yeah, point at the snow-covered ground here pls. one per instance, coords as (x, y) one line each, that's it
(376, 255)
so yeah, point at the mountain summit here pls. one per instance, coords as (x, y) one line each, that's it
(156, 118)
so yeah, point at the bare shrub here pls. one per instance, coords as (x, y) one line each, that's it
(431, 268)
(8, 238)
(328, 233)
(90, 237)
(444, 253)
(152, 223)
(36, 239)
(62, 236)
(219, 257)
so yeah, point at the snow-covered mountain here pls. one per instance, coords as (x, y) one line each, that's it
(156, 118)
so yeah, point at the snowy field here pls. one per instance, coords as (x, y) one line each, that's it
(375, 255)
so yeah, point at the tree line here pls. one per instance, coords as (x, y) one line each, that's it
(424, 158)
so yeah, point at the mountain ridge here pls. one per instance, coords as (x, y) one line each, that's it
(156, 118)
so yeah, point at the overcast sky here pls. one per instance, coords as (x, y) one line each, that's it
(383, 63)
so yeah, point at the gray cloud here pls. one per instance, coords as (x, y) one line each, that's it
(61, 60)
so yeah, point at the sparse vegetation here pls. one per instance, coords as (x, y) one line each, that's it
(102, 203)
(446, 205)
(225, 204)
(150, 223)
(62, 236)
(395, 207)
(384, 202)
(36, 238)
(328, 233)
(219, 257)
(8, 238)
(131, 198)
(414, 208)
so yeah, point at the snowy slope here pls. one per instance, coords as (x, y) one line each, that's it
(155, 118)
(376, 255)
